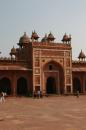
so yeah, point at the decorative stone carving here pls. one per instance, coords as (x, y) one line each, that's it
(37, 80)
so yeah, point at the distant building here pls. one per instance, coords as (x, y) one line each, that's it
(42, 65)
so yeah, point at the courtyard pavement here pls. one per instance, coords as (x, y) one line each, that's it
(48, 113)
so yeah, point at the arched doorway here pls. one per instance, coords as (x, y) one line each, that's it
(53, 78)
(22, 89)
(5, 85)
(76, 85)
(51, 86)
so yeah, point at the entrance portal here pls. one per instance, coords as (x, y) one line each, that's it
(76, 85)
(51, 86)
(22, 89)
(53, 78)
(5, 86)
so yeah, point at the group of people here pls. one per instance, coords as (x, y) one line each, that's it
(37, 94)
(2, 97)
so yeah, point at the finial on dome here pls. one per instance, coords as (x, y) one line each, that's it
(24, 33)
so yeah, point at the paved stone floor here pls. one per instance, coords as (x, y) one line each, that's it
(48, 113)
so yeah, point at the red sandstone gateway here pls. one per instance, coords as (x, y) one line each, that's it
(42, 65)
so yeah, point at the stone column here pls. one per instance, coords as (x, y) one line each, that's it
(14, 85)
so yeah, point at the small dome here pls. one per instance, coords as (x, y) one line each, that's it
(66, 38)
(24, 39)
(13, 51)
(81, 55)
(44, 39)
(50, 37)
(34, 35)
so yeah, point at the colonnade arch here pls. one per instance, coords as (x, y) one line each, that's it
(5, 85)
(76, 85)
(22, 87)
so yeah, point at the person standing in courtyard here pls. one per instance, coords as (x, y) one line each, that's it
(38, 93)
(2, 97)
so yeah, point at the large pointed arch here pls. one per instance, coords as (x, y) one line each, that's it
(54, 74)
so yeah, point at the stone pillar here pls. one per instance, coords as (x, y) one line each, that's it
(14, 85)
(58, 85)
(65, 89)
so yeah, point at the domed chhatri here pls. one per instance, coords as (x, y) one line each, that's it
(66, 38)
(34, 36)
(50, 37)
(81, 55)
(13, 51)
(24, 40)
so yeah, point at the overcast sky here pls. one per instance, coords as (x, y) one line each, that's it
(57, 16)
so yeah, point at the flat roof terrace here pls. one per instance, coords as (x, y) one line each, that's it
(51, 45)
